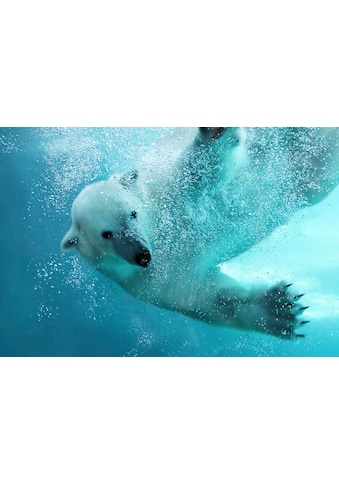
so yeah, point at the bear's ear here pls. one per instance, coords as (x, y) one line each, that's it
(129, 178)
(210, 134)
(69, 242)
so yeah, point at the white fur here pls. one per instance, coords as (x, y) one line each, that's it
(209, 204)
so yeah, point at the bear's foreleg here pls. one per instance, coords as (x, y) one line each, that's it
(275, 311)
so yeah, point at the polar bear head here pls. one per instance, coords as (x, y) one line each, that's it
(106, 228)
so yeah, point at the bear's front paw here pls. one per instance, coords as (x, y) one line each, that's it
(282, 312)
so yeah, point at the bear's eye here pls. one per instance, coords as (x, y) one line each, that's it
(133, 215)
(107, 234)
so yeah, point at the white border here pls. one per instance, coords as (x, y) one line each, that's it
(168, 420)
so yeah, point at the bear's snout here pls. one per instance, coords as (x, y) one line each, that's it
(143, 259)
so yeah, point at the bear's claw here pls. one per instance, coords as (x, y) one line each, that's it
(282, 312)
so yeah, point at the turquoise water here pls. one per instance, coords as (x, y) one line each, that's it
(52, 304)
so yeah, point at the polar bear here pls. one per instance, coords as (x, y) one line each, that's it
(162, 230)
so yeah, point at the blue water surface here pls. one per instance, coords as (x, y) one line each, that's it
(54, 304)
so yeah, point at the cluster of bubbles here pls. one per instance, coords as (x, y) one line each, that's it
(44, 283)
(10, 141)
(91, 291)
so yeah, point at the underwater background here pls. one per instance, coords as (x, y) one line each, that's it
(54, 304)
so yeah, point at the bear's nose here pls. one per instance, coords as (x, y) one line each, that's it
(143, 259)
